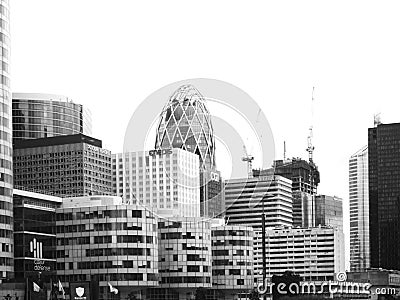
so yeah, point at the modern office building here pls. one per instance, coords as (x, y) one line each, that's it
(212, 194)
(329, 211)
(359, 211)
(44, 115)
(35, 235)
(185, 257)
(247, 198)
(65, 166)
(165, 180)
(232, 260)
(102, 240)
(316, 254)
(6, 170)
(305, 179)
(185, 123)
(384, 199)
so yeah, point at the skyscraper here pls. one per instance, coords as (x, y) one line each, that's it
(165, 180)
(305, 179)
(44, 115)
(185, 123)
(247, 198)
(64, 166)
(329, 211)
(6, 171)
(384, 195)
(359, 211)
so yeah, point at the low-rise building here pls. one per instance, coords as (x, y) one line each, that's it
(232, 259)
(316, 254)
(100, 239)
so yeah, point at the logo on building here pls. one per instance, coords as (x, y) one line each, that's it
(80, 291)
(36, 248)
(160, 152)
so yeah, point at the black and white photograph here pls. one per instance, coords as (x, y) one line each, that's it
(199, 150)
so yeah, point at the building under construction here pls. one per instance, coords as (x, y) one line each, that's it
(305, 179)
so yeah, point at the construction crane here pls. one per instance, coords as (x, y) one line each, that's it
(310, 147)
(249, 159)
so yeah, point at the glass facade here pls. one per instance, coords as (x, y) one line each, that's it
(185, 123)
(6, 173)
(185, 253)
(384, 195)
(41, 115)
(329, 211)
(232, 255)
(359, 211)
(114, 244)
(35, 235)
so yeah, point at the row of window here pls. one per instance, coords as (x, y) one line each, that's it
(93, 265)
(109, 277)
(185, 279)
(99, 214)
(230, 272)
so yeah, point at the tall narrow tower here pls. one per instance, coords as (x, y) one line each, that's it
(185, 123)
(6, 174)
(359, 211)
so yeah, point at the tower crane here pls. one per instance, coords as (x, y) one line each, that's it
(249, 159)
(310, 147)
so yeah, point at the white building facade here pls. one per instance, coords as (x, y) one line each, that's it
(164, 180)
(247, 198)
(359, 211)
(316, 254)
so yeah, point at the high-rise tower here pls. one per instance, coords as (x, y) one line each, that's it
(185, 123)
(305, 179)
(359, 210)
(384, 195)
(6, 174)
(45, 115)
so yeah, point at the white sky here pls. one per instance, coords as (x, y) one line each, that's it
(110, 55)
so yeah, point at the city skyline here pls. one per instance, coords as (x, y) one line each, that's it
(341, 98)
(353, 65)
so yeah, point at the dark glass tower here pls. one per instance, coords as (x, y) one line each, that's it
(6, 174)
(384, 195)
(186, 123)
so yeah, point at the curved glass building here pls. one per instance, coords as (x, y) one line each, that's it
(185, 123)
(6, 179)
(45, 115)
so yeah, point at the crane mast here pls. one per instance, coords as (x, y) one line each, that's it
(310, 147)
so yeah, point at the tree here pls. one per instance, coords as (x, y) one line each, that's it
(254, 295)
(288, 284)
(201, 294)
